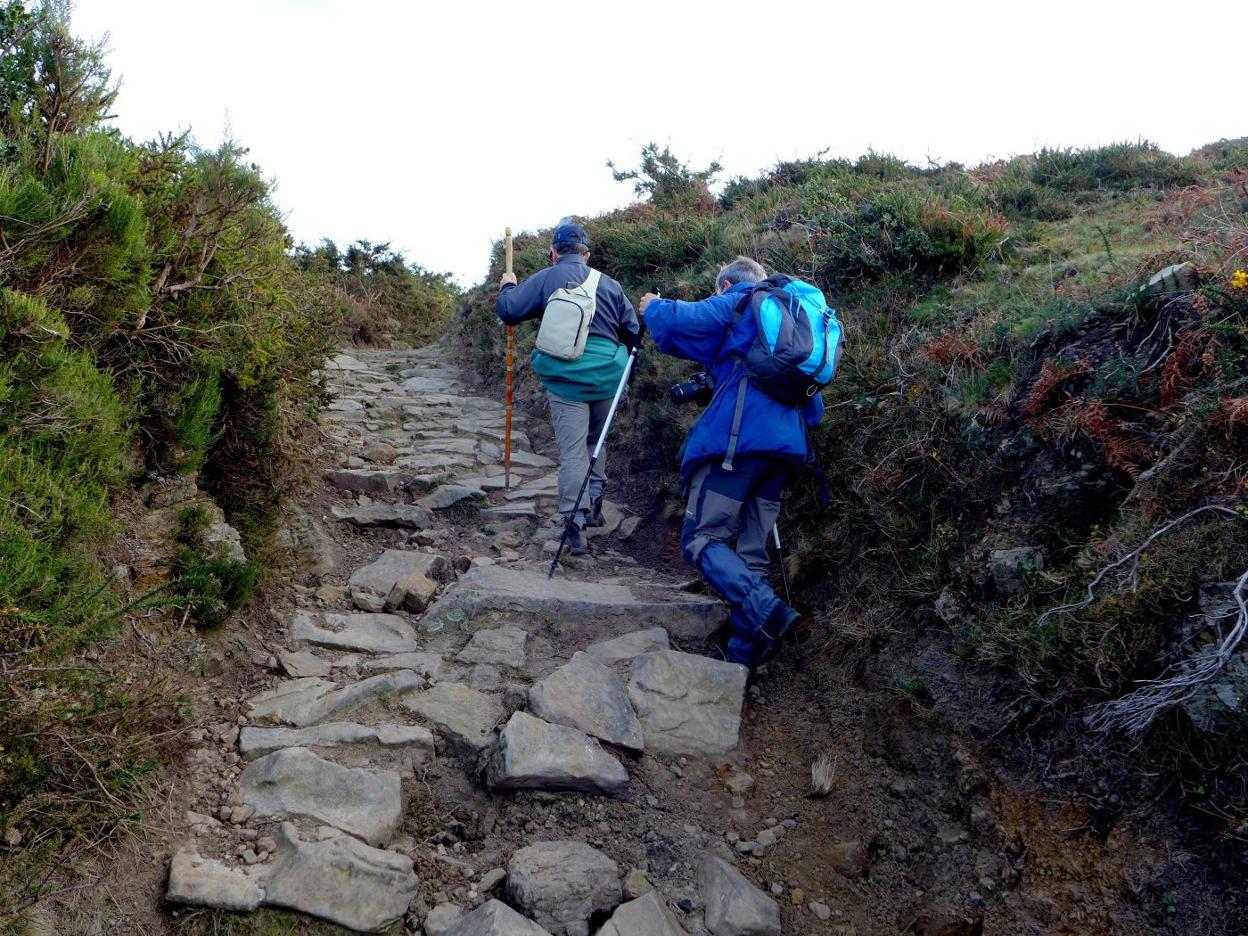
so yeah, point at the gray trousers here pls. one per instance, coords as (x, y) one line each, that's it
(577, 426)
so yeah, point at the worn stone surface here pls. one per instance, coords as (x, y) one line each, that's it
(584, 694)
(302, 702)
(442, 919)
(448, 495)
(596, 608)
(424, 662)
(629, 646)
(206, 882)
(562, 884)
(687, 704)
(536, 755)
(295, 782)
(495, 918)
(341, 880)
(648, 915)
(412, 592)
(301, 663)
(397, 516)
(734, 906)
(255, 742)
(498, 646)
(460, 714)
(372, 633)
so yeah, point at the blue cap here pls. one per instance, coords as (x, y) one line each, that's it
(568, 235)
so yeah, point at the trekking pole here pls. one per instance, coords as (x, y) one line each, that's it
(602, 437)
(511, 379)
(788, 596)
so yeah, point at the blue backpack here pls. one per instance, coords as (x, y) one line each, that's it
(796, 347)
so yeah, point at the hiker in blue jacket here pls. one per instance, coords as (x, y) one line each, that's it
(580, 391)
(734, 485)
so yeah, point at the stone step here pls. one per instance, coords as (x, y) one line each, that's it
(366, 481)
(303, 702)
(596, 609)
(449, 495)
(464, 717)
(510, 511)
(370, 633)
(413, 743)
(373, 586)
(688, 704)
(396, 516)
(585, 695)
(294, 782)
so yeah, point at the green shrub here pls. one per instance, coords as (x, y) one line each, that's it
(1120, 166)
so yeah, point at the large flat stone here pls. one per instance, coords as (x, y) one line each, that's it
(255, 742)
(206, 882)
(495, 918)
(460, 714)
(629, 646)
(734, 906)
(687, 704)
(302, 702)
(562, 884)
(341, 880)
(396, 516)
(499, 646)
(295, 782)
(425, 662)
(597, 609)
(584, 694)
(648, 915)
(373, 633)
(536, 755)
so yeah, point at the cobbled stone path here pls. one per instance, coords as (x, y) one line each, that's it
(421, 655)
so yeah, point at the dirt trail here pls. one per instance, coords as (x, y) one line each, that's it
(428, 713)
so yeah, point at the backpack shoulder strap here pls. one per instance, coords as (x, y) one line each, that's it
(591, 282)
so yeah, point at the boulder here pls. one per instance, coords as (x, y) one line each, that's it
(341, 880)
(734, 906)
(629, 646)
(584, 694)
(381, 453)
(295, 782)
(459, 713)
(536, 755)
(206, 882)
(499, 646)
(495, 918)
(687, 704)
(372, 633)
(412, 592)
(372, 584)
(648, 915)
(562, 884)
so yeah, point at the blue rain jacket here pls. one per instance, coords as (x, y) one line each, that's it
(705, 332)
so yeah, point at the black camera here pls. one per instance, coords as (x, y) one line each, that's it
(697, 389)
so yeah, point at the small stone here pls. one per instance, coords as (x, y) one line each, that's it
(249, 856)
(636, 884)
(491, 879)
(848, 858)
(442, 919)
(734, 906)
(797, 896)
(266, 844)
(739, 783)
(822, 911)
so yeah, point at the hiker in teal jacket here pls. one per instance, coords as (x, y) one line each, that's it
(734, 482)
(579, 391)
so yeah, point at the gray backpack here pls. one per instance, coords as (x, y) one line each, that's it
(565, 323)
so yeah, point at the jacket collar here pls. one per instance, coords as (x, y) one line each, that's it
(571, 258)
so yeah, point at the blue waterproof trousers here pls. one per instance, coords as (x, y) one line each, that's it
(728, 522)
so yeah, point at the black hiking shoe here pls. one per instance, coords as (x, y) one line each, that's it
(577, 544)
(780, 624)
(596, 518)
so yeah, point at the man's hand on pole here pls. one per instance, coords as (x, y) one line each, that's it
(508, 279)
(645, 301)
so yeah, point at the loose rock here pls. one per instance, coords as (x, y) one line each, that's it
(562, 884)
(646, 916)
(495, 918)
(585, 695)
(734, 906)
(536, 755)
(462, 715)
(499, 646)
(206, 882)
(687, 704)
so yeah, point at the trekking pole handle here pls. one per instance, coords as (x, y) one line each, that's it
(507, 251)
(775, 532)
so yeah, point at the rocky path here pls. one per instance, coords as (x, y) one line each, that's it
(452, 744)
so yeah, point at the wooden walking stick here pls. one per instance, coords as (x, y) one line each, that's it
(511, 377)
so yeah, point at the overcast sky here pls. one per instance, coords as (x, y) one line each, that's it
(435, 125)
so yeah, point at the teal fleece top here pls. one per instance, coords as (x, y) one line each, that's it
(595, 375)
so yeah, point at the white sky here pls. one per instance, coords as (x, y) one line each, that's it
(434, 125)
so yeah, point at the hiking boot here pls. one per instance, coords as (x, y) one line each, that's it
(782, 622)
(577, 544)
(595, 518)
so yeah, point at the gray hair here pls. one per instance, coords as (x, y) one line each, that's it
(741, 270)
